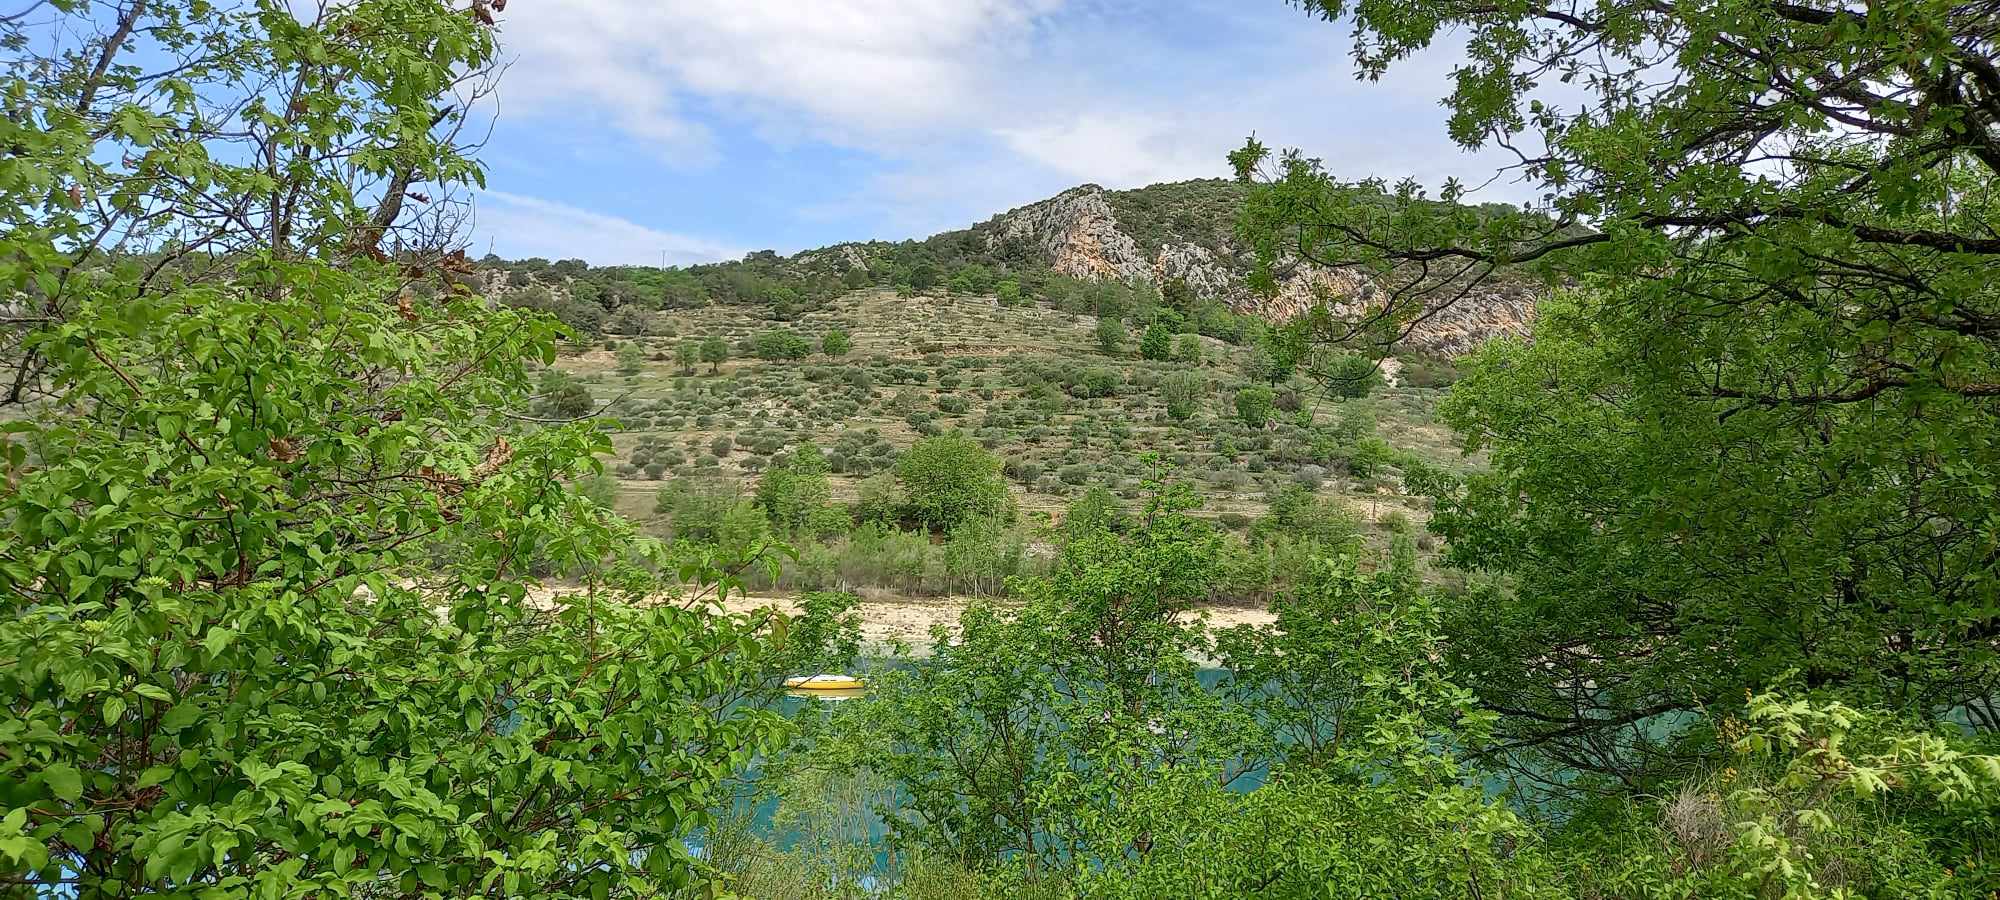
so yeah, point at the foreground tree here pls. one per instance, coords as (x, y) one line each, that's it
(270, 623)
(1766, 437)
(1072, 747)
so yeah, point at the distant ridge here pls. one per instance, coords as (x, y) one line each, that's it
(1178, 238)
(1185, 231)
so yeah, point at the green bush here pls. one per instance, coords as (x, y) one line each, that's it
(561, 396)
(948, 480)
(1187, 349)
(1427, 371)
(1110, 336)
(631, 359)
(1183, 393)
(1157, 342)
(1254, 405)
(1095, 381)
(1352, 375)
(779, 345)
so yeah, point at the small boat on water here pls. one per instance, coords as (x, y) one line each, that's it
(825, 683)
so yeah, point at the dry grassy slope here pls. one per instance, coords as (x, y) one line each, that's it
(779, 403)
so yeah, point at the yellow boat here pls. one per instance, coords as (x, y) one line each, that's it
(825, 683)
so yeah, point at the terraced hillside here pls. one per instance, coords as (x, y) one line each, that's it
(1033, 384)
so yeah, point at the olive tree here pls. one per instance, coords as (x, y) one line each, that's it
(715, 352)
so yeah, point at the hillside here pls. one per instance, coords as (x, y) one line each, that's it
(1174, 244)
(1088, 341)
(1031, 383)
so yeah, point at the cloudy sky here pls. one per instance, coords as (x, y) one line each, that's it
(703, 129)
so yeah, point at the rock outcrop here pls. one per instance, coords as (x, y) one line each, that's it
(837, 258)
(1078, 233)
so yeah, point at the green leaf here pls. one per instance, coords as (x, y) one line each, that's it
(217, 639)
(152, 691)
(64, 781)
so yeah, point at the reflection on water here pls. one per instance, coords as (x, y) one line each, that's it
(844, 694)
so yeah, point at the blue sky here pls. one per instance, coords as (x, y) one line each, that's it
(709, 128)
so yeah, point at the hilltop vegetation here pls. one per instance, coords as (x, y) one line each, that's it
(977, 260)
(1167, 254)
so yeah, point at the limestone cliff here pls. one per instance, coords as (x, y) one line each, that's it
(1079, 233)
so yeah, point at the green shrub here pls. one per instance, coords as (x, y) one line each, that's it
(1187, 349)
(1110, 335)
(1352, 375)
(779, 345)
(948, 480)
(1254, 405)
(561, 396)
(1427, 371)
(1183, 393)
(631, 359)
(1157, 342)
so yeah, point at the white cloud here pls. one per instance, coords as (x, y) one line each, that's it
(960, 108)
(847, 70)
(1120, 150)
(521, 227)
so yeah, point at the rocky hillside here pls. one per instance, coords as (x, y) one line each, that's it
(1183, 232)
(1173, 242)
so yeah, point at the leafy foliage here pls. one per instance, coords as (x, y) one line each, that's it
(715, 352)
(1157, 342)
(273, 521)
(1072, 742)
(775, 345)
(1110, 335)
(1254, 405)
(949, 480)
(1760, 438)
(263, 610)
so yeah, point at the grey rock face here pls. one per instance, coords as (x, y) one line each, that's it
(1079, 234)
